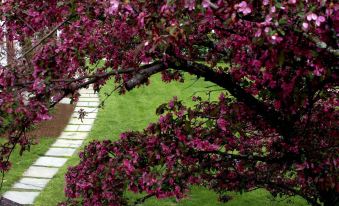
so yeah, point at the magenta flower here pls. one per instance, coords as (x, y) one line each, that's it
(305, 26)
(311, 16)
(114, 5)
(243, 8)
(319, 20)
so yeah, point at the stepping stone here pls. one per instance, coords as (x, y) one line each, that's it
(78, 128)
(82, 104)
(37, 176)
(41, 172)
(65, 101)
(31, 184)
(60, 152)
(51, 161)
(88, 104)
(88, 115)
(93, 104)
(81, 122)
(86, 109)
(88, 99)
(86, 91)
(25, 198)
(67, 143)
(71, 128)
(89, 95)
(73, 135)
(84, 128)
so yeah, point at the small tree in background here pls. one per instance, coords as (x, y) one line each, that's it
(277, 128)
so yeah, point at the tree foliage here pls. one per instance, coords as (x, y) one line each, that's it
(277, 127)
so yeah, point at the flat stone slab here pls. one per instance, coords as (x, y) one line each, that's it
(88, 115)
(71, 128)
(31, 183)
(86, 91)
(51, 161)
(89, 95)
(73, 135)
(93, 104)
(60, 152)
(25, 198)
(81, 121)
(67, 143)
(65, 101)
(78, 128)
(88, 104)
(88, 99)
(41, 172)
(84, 128)
(86, 109)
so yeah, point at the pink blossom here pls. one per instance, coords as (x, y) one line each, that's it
(243, 8)
(205, 3)
(311, 16)
(276, 39)
(128, 166)
(318, 71)
(273, 9)
(320, 20)
(190, 4)
(258, 33)
(114, 5)
(222, 123)
(305, 25)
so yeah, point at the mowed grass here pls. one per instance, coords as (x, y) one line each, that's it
(134, 111)
(21, 163)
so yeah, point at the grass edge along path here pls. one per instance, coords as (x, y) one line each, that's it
(134, 111)
(21, 163)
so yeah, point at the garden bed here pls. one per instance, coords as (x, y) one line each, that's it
(44, 134)
(53, 128)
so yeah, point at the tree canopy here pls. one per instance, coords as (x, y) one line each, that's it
(275, 128)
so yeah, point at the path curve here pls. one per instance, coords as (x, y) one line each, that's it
(37, 176)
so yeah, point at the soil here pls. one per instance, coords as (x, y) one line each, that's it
(53, 128)
(61, 114)
(6, 202)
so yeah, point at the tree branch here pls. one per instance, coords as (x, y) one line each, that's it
(143, 75)
(142, 200)
(292, 190)
(224, 80)
(266, 159)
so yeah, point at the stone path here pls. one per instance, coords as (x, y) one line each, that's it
(36, 177)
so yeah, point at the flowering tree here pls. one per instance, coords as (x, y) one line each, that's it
(277, 127)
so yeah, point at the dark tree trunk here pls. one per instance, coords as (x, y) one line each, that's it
(330, 198)
(10, 50)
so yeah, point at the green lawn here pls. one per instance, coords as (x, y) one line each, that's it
(21, 163)
(134, 111)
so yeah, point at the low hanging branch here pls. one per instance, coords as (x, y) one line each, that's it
(275, 128)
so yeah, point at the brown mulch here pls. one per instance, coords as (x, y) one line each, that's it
(53, 128)
(61, 114)
(6, 202)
